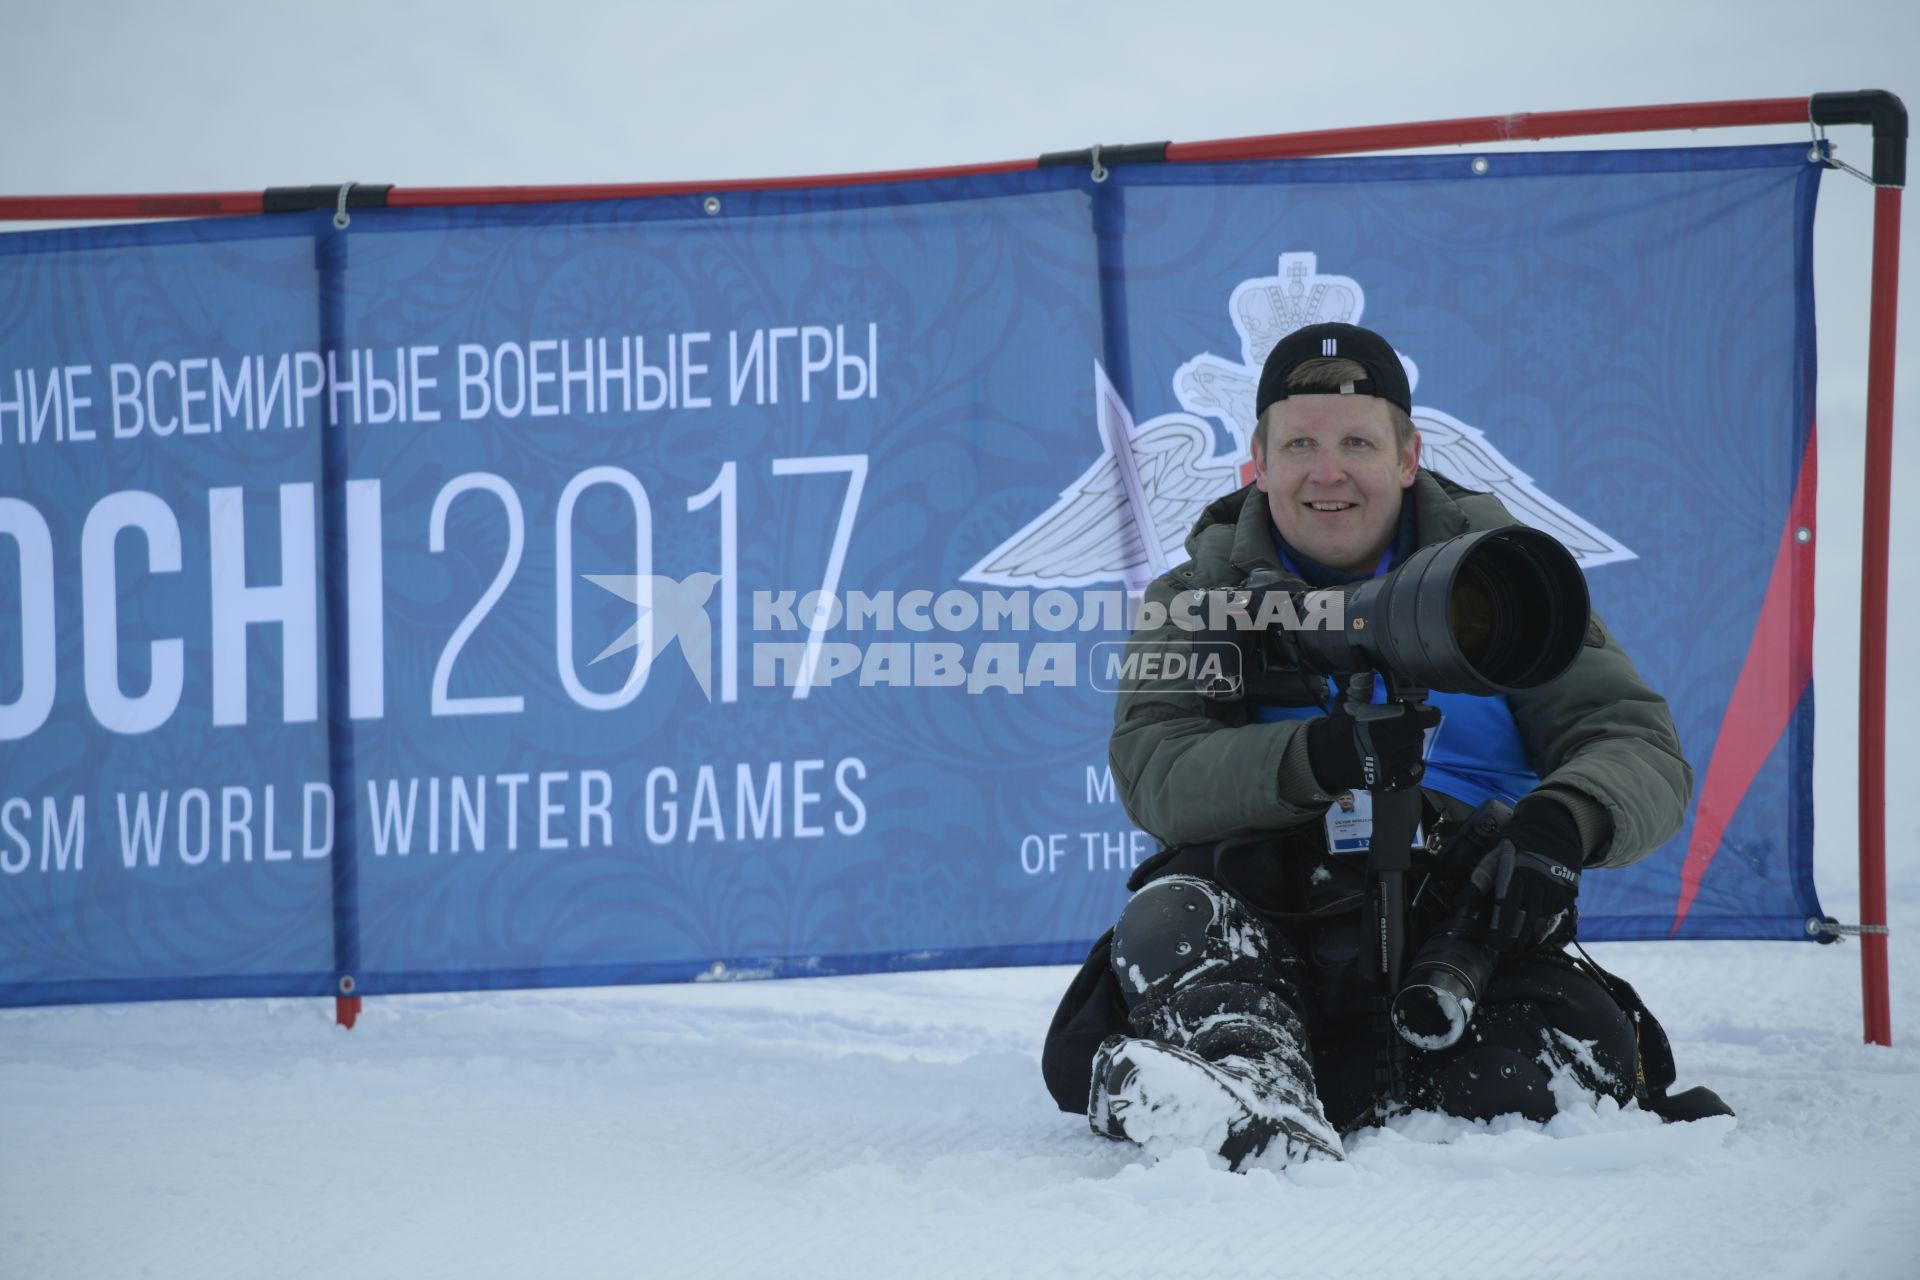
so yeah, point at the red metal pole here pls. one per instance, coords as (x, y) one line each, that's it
(207, 204)
(1527, 125)
(230, 203)
(436, 197)
(345, 1010)
(1873, 616)
(1385, 137)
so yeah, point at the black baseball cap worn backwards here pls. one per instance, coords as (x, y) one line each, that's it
(1386, 376)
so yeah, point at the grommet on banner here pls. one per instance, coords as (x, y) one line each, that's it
(1479, 166)
(347, 984)
(340, 215)
(711, 204)
(1099, 170)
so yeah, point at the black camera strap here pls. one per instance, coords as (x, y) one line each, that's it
(1654, 1070)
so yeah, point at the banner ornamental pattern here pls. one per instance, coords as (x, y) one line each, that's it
(623, 592)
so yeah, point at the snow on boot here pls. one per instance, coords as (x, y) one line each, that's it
(1253, 1037)
(1219, 1058)
(1166, 1099)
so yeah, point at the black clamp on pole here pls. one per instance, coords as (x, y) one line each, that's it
(1097, 159)
(360, 195)
(1876, 107)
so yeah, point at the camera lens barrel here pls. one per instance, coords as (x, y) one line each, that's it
(1443, 985)
(1484, 613)
(1432, 1012)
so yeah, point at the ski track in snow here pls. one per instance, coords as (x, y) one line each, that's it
(897, 1125)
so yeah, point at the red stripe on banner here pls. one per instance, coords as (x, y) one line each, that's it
(1774, 678)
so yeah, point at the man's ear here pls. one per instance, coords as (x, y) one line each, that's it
(1259, 459)
(1410, 462)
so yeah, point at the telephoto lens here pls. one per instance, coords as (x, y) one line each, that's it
(1485, 613)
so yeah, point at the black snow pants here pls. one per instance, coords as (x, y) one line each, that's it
(1544, 1014)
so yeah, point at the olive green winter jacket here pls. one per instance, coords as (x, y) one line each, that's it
(1191, 769)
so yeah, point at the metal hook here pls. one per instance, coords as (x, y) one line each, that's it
(1834, 162)
(1817, 927)
(1099, 170)
(341, 218)
(1822, 151)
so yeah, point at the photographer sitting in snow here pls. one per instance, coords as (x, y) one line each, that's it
(1230, 1007)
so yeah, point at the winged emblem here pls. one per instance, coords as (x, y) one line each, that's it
(1125, 519)
(1165, 467)
(1463, 455)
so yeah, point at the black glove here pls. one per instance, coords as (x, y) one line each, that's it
(1531, 876)
(1346, 754)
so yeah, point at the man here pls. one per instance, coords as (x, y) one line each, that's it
(1231, 1008)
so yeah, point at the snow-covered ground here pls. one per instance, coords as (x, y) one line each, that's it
(896, 1125)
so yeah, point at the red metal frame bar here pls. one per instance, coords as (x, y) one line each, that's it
(1531, 126)
(1874, 998)
(436, 197)
(240, 203)
(1386, 137)
(1527, 126)
(209, 204)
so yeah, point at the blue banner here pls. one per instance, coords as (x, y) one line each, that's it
(650, 590)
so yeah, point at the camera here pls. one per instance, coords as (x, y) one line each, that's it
(1484, 613)
(1450, 973)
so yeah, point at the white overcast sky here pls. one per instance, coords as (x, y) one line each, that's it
(194, 96)
(106, 96)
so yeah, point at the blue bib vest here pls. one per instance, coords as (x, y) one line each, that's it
(1477, 755)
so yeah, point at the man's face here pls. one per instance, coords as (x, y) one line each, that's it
(1334, 476)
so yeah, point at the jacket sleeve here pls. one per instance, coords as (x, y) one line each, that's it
(1601, 738)
(1190, 769)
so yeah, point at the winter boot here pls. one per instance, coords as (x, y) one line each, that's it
(1166, 1098)
(1219, 1059)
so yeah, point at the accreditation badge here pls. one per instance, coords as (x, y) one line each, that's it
(1350, 817)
